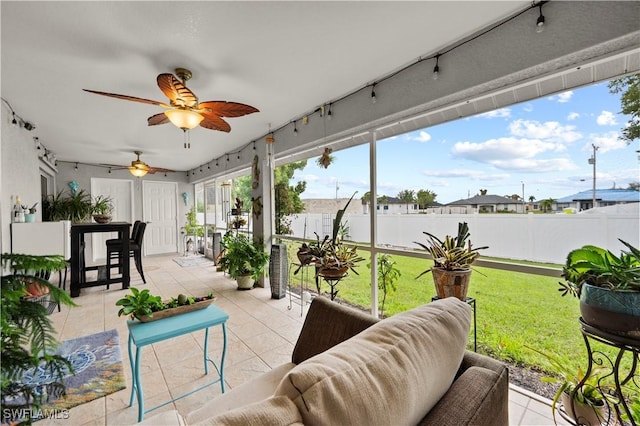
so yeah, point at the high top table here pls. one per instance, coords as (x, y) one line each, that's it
(77, 253)
(146, 333)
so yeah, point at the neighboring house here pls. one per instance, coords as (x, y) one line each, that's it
(604, 197)
(392, 205)
(489, 204)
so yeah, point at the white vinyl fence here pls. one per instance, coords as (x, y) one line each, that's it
(534, 237)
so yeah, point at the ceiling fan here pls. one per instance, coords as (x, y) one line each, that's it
(139, 168)
(183, 109)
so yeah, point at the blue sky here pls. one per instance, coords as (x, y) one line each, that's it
(544, 144)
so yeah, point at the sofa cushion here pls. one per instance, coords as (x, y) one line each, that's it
(274, 411)
(262, 387)
(394, 372)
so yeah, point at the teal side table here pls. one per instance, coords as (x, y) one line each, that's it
(146, 333)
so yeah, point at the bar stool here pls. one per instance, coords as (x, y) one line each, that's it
(114, 250)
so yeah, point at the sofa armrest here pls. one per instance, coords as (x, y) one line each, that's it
(472, 359)
(480, 395)
(327, 324)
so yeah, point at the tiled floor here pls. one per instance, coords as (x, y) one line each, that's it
(261, 335)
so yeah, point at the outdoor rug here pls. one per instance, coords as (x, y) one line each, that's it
(97, 363)
(186, 261)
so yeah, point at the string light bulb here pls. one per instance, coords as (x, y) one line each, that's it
(373, 93)
(329, 114)
(217, 163)
(295, 128)
(76, 167)
(436, 69)
(14, 122)
(540, 21)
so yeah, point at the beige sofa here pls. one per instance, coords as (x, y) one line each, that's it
(347, 368)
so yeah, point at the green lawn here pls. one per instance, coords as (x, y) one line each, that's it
(513, 309)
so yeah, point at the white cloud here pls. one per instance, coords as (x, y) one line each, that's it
(465, 173)
(562, 97)
(527, 108)
(605, 142)
(606, 118)
(498, 113)
(551, 130)
(536, 165)
(503, 149)
(423, 137)
(573, 116)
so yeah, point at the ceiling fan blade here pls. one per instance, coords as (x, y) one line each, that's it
(176, 91)
(160, 118)
(213, 122)
(228, 109)
(153, 170)
(114, 166)
(128, 98)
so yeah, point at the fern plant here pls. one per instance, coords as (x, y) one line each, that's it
(28, 337)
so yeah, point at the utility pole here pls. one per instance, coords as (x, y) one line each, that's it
(524, 210)
(592, 161)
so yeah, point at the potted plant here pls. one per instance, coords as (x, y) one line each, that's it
(583, 398)
(194, 229)
(101, 209)
(608, 287)
(244, 260)
(452, 259)
(28, 337)
(144, 306)
(76, 208)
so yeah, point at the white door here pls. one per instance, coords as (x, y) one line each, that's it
(160, 211)
(121, 193)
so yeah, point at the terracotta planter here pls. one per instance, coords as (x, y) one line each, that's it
(333, 273)
(614, 311)
(245, 282)
(451, 283)
(583, 414)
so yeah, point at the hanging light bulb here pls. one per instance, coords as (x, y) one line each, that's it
(76, 168)
(217, 163)
(329, 115)
(373, 94)
(295, 128)
(436, 69)
(540, 21)
(14, 122)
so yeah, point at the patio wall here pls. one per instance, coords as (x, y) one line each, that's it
(535, 237)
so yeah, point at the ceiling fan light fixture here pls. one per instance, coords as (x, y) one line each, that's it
(183, 118)
(137, 172)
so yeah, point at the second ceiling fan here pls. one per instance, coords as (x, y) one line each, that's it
(184, 110)
(139, 168)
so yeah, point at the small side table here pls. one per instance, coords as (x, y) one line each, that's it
(472, 302)
(146, 333)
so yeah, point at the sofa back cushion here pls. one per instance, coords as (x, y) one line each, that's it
(393, 372)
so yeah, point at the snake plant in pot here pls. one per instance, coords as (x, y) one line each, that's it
(452, 259)
(608, 286)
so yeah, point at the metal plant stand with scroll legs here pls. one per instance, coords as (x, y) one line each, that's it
(626, 345)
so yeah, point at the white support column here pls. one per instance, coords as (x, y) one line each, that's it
(373, 222)
(262, 169)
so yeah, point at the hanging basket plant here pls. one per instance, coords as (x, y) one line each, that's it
(326, 158)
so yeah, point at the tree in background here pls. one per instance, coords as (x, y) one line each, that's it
(426, 198)
(547, 204)
(629, 86)
(408, 196)
(483, 192)
(634, 185)
(287, 197)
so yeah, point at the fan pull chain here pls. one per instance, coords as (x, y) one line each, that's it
(187, 139)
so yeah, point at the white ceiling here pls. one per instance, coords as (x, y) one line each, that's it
(284, 58)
